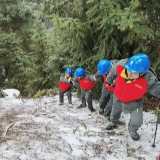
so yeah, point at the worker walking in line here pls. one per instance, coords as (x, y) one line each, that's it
(87, 85)
(65, 85)
(106, 99)
(134, 79)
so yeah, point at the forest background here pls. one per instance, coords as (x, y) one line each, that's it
(39, 39)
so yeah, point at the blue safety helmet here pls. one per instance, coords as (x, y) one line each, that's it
(68, 71)
(139, 63)
(103, 66)
(79, 72)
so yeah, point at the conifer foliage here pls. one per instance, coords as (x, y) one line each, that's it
(90, 30)
(23, 47)
(40, 39)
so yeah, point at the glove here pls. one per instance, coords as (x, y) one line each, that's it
(96, 78)
(109, 84)
(113, 83)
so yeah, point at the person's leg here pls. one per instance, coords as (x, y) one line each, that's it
(83, 99)
(88, 97)
(69, 95)
(115, 113)
(135, 122)
(105, 96)
(61, 96)
(107, 110)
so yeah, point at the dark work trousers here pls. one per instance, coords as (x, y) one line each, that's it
(86, 96)
(105, 96)
(108, 108)
(69, 95)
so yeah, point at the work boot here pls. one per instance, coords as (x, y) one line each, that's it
(81, 106)
(70, 104)
(101, 111)
(92, 109)
(111, 126)
(135, 136)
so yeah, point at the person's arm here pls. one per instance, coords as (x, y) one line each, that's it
(153, 85)
(114, 61)
(112, 75)
(90, 76)
(64, 79)
(111, 78)
(97, 76)
(75, 81)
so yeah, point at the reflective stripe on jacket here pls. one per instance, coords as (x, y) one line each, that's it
(127, 92)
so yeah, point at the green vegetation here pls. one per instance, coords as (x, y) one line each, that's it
(40, 39)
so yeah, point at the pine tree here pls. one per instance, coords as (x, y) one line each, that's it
(91, 30)
(23, 47)
(88, 30)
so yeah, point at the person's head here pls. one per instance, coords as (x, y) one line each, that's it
(104, 66)
(137, 65)
(79, 72)
(68, 72)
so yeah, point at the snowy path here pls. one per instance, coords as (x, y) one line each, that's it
(39, 129)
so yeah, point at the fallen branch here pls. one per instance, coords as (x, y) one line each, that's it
(7, 128)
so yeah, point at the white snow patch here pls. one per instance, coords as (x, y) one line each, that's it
(39, 129)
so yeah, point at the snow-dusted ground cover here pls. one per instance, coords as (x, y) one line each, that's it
(39, 129)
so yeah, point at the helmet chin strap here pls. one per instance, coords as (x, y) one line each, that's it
(141, 75)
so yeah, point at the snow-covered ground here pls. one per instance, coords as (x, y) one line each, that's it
(39, 129)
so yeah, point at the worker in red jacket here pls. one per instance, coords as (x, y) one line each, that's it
(65, 85)
(105, 104)
(134, 78)
(87, 85)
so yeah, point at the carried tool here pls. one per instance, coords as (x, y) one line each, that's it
(153, 145)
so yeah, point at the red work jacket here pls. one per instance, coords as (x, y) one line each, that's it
(127, 92)
(64, 86)
(86, 84)
(109, 88)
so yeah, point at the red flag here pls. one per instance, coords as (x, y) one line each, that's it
(159, 157)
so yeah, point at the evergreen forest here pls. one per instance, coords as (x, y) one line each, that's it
(39, 39)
